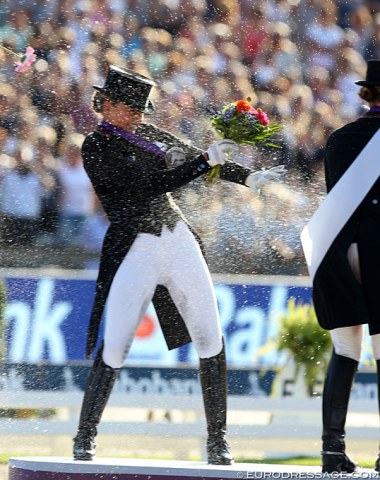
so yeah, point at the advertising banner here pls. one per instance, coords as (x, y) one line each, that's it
(47, 319)
(168, 381)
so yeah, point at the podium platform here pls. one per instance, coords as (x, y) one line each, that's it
(62, 468)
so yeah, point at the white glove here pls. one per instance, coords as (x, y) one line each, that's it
(175, 156)
(164, 147)
(255, 181)
(219, 152)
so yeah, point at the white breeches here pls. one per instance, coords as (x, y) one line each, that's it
(347, 342)
(174, 260)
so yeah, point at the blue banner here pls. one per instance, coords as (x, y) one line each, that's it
(47, 319)
(161, 381)
(133, 380)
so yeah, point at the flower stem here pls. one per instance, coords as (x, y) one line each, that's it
(214, 174)
(7, 50)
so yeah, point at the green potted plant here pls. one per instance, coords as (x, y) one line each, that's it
(307, 343)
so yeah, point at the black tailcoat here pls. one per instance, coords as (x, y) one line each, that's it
(133, 186)
(339, 300)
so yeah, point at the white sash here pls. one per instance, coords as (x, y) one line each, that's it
(338, 206)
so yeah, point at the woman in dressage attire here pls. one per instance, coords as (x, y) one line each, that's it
(346, 288)
(150, 253)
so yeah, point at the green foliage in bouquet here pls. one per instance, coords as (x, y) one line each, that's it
(244, 124)
(310, 345)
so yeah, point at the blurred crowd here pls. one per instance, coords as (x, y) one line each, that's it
(296, 59)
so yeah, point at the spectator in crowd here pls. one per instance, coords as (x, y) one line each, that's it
(8, 108)
(95, 228)
(372, 49)
(21, 194)
(360, 21)
(45, 166)
(76, 195)
(254, 33)
(7, 146)
(324, 36)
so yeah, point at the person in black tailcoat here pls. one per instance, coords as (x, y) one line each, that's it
(346, 286)
(149, 251)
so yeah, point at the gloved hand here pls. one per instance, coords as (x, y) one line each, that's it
(256, 180)
(219, 152)
(162, 145)
(175, 156)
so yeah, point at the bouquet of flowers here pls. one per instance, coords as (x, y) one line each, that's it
(24, 60)
(244, 124)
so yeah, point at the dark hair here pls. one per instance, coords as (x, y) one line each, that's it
(370, 93)
(98, 100)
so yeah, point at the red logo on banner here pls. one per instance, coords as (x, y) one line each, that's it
(146, 327)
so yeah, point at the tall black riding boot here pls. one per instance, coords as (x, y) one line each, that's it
(336, 395)
(98, 390)
(377, 464)
(213, 377)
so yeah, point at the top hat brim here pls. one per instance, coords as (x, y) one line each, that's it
(364, 83)
(148, 109)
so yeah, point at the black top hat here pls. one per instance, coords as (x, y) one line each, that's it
(129, 87)
(373, 74)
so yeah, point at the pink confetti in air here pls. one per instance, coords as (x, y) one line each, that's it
(26, 60)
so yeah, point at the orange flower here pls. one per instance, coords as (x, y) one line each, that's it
(242, 106)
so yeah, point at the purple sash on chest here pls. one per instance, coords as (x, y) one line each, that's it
(133, 138)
